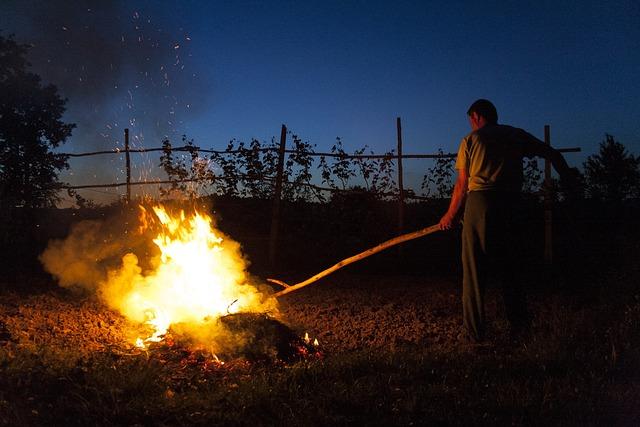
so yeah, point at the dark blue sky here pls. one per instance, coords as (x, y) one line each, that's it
(222, 70)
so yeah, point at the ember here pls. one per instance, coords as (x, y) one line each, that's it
(264, 338)
(252, 337)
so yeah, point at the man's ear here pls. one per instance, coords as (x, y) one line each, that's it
(475, 118)
(479, 120)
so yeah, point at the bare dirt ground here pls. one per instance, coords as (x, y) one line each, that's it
(344, 312)
(389, 355)
(349, 312)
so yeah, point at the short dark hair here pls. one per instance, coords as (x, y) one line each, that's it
(486, 109)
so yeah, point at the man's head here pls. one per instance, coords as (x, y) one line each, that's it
(481, 113)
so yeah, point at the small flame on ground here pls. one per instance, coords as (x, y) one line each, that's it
(307, 339)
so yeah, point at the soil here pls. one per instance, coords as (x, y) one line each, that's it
(344, 313)
(347, 313)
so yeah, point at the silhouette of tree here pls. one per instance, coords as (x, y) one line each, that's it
(30, 127)
(613, 174)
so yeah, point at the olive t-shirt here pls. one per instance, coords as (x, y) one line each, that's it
(492, 157)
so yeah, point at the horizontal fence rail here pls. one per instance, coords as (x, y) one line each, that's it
(308, 153)
(262, 178)
(279, 182)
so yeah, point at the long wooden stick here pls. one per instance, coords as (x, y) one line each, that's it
(362, 255)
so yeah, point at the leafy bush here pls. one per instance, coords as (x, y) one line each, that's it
(439, 175)
(190, 175)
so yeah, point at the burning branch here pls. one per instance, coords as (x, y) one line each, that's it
(362, 255)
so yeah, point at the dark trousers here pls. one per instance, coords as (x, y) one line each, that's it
(491, 244)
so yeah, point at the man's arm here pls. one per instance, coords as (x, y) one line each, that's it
(557, 160)
(457, 201)
(540, 149)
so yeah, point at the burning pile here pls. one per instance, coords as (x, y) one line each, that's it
(192, 279)
(196, 277)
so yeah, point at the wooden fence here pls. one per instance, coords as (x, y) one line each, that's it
(278, 179)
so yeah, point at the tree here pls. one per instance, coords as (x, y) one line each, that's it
(613, 174)
(30, 127)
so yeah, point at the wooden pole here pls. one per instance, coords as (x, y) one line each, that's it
(400, 180)
(548, 205)
(128, 164)
(362, 255)
(275, 214)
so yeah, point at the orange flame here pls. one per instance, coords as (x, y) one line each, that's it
(198, 276)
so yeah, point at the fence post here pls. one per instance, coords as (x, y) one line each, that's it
(400, 183)
(128, 164)
(275, 214)
(548, 205)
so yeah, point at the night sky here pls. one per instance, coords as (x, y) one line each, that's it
(221, 70)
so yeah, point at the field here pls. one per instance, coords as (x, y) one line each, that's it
(387, 328)
(389, 356)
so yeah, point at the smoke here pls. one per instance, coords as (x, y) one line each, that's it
(190, 283)
(120, 65)
(94, 249)
(82, 259)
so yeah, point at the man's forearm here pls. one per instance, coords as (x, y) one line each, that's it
(457, 199)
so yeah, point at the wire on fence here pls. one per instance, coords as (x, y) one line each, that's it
(264, 178)
(306, 153)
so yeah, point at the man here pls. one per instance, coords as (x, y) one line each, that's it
(488, 186)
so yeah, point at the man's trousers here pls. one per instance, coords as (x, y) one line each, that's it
(491, 244)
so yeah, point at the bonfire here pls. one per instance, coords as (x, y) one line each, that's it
(192, 288)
